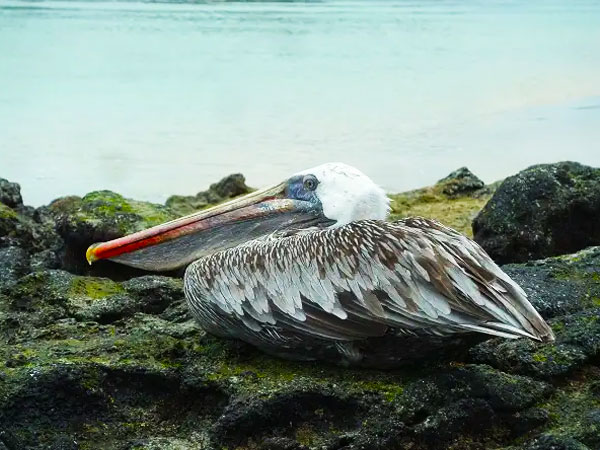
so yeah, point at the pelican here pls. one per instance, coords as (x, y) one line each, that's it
(310, 269)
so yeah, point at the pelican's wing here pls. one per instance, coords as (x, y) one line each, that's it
(363, 279)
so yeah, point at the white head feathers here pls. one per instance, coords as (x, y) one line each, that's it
(347, 194)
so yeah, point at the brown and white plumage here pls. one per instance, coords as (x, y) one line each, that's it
(363, 280)
(309, 269)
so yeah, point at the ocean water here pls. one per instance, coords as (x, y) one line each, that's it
(151, 99)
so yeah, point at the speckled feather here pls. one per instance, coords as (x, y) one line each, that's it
(362, 280)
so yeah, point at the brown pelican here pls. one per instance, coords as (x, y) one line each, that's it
(309, 269)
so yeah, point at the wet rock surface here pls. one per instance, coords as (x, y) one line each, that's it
(545, 210)
(97, 362)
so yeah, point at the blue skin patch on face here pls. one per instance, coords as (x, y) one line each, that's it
(298, 188)
(302, 188)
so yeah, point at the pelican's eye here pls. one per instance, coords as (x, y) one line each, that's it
(310, 182)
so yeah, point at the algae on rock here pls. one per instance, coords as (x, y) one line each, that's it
(455, 201)
(105, 215)
(123, 365)
(90, 362)
(544, 210)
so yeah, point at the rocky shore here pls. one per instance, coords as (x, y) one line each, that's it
(107, 357)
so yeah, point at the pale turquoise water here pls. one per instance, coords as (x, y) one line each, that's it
(151, 99)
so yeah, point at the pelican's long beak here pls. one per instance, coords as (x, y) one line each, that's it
(177, 243)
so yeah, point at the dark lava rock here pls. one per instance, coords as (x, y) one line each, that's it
(528, 358)
(565, 290)
(550, 442)
(280, 443)
(524, 421)
(99, 216)
(45, 259)
(42, 298)
(225, 189)
(460, 182)
(545, 210)
(256, 418)
(560, 285)
(230, 186)
(14, 263)
(10, 194)
(577, 341)
(474, 417)
(454, 201)
(105, 215)
(591, 428)
(502, 391)
(16, 229)
(20, 229)
(95, 362)
(122, 365)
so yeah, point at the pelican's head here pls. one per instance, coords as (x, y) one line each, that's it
(344, 193)
(328, 195)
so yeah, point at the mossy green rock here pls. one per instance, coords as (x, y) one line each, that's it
(105, 215)
(567, 292)
(545, 210)
(24, 239)
(98, 216)
(96, 362)
(17, 228)
(91, 363)
(454, 200)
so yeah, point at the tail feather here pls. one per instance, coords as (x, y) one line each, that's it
(493, 329)
(537, 326)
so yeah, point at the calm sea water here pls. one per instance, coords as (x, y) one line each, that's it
(151, 99)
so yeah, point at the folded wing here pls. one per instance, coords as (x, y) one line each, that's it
(361, 280)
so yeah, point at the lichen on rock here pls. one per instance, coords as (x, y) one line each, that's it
(96, 362)
(454, 200)
(25, 242)
(544, 210)
(98, 216)
(124, 364)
